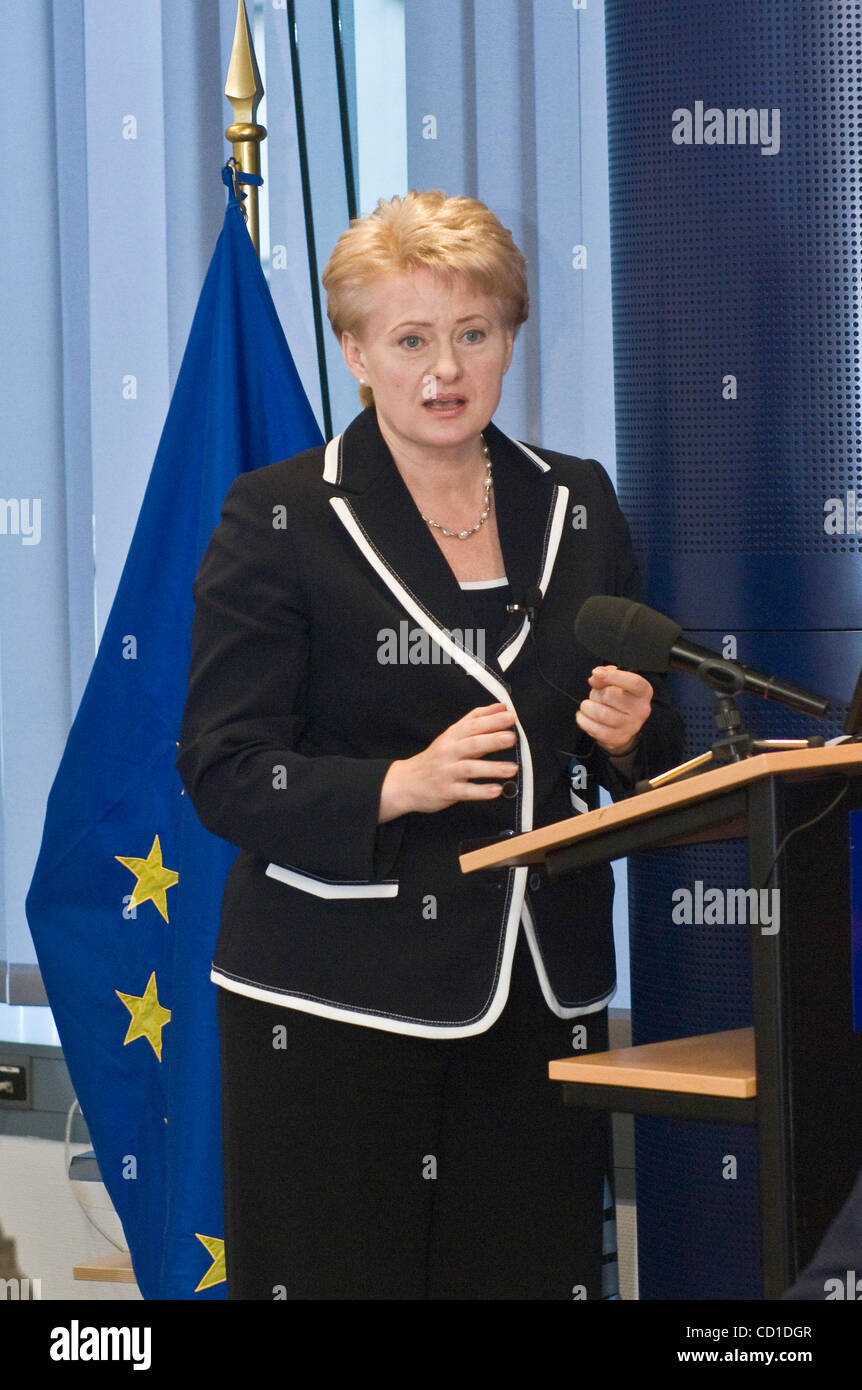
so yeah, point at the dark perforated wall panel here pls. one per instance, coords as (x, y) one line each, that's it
(734, 138)
(701, 1209)
(732, 262)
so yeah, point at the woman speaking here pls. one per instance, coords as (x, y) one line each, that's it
(384, 668)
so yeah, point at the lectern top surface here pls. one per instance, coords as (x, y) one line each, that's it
(798, 764)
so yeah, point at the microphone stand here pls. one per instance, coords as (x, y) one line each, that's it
(732, 744)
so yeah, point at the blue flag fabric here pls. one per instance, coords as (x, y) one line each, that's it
(124, 903)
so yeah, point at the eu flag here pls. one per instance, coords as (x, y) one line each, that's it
(124, 903)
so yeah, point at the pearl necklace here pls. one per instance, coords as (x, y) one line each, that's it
(463, 535)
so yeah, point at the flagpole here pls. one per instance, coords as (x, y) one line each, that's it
(244, 90)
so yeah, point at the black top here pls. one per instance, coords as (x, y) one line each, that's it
(490, 617)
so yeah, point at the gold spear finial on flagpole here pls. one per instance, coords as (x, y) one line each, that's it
(244, 90)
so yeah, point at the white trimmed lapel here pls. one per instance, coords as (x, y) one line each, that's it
(376, 509)
(531, 511)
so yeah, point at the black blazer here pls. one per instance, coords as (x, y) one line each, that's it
(294, 715)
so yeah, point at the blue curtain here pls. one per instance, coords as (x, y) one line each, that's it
(106, 243)
(511, 109)
(109, 247)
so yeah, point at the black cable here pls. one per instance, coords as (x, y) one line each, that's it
(580, 735)
(319, 336)
(546, 679)
(806, 825)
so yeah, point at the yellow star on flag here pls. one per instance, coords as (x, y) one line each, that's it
(148, 1016)
(153, 879)
(216, 1272)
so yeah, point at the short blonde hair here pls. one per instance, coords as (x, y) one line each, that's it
(423, 231)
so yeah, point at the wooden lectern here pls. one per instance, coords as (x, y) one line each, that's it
(797, 1074)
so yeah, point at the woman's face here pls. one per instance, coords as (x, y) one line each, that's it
(434, 351)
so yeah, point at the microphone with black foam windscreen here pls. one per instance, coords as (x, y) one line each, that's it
(637, 638)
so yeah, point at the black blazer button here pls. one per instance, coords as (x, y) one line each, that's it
(535, 882)
(510, 790)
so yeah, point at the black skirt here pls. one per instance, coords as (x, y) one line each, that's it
(362, 1164)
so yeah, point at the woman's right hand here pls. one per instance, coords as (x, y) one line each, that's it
(443, 772)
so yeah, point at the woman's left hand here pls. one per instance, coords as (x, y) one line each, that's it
(616, 709)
